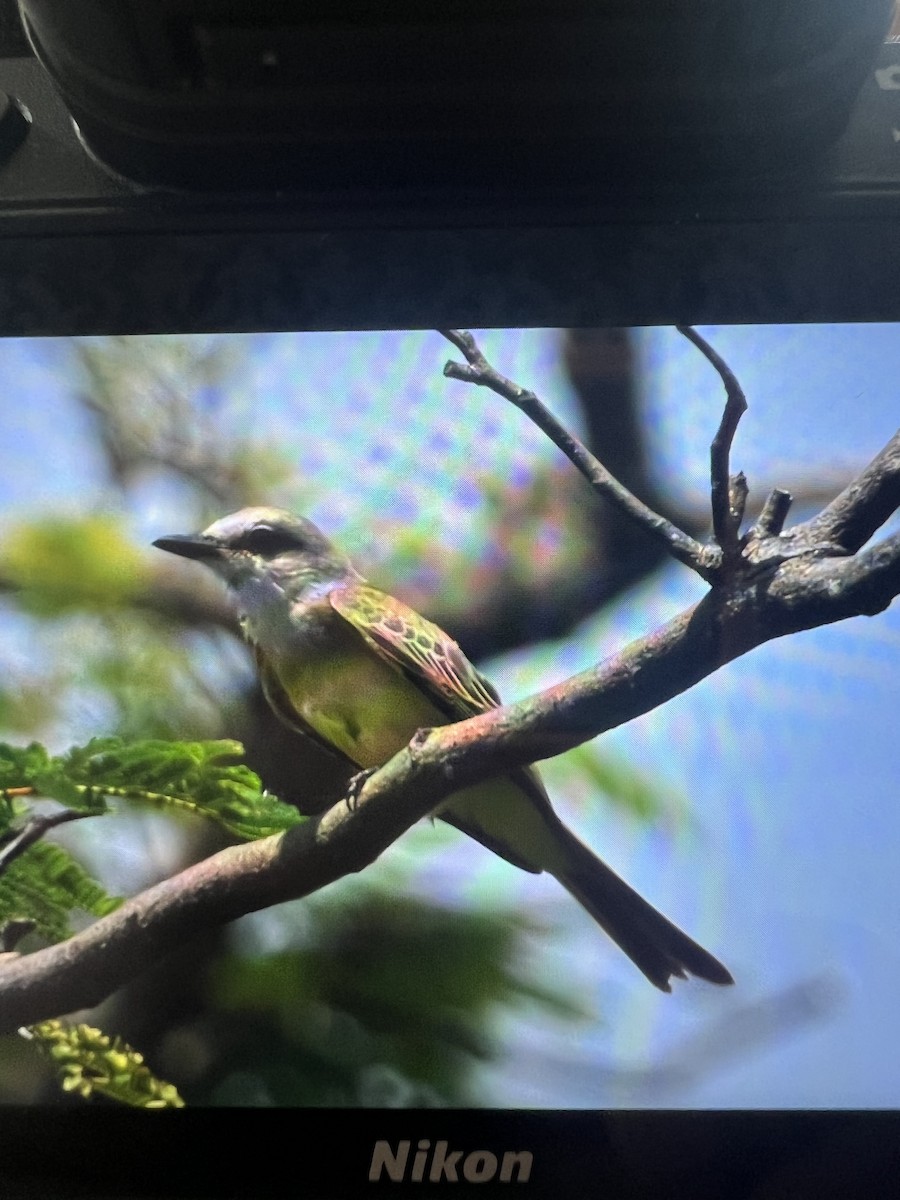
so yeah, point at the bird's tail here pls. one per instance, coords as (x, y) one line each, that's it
(651, 941)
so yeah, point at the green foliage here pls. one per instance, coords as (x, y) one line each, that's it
(388, 1002)
(45, 886)
(19, 765)
(198, 777)
(92, 1063)
(65, 563)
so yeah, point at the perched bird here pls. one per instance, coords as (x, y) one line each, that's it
(359, 672)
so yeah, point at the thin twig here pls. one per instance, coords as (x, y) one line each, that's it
(727, 506)
(480, 372)
(33, 831)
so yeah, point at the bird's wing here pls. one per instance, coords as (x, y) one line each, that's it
(434, 663)
(280, 703)
(426, 655)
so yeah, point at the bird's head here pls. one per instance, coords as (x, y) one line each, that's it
(260, 541)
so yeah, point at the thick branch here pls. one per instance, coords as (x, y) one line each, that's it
(864, 505)
(845, 587)
(82, 971)
(799, 593)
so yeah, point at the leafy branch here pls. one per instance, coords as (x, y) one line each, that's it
(200, 777)
(42, 885)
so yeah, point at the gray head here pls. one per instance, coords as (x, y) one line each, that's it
(256, 540)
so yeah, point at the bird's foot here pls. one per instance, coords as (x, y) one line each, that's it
(356, 785)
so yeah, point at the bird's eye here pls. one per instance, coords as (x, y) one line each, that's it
(263, 539)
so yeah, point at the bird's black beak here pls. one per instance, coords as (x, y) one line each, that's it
(189, 545)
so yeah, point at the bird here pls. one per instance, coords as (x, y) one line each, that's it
(359, 672)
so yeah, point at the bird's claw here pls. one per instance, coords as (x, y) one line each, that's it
(356, 785)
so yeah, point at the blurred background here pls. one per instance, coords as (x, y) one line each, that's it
(757, 811)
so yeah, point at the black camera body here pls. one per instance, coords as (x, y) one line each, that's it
(737, 218)
(198, 169)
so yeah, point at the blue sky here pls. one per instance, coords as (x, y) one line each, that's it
(787, 761)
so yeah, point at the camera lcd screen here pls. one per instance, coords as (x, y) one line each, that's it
(756, 809)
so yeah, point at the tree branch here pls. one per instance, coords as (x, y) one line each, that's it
(728, 493)
(774, 513)
(864, 505)
(33, 830)
(797, 592)
(479, 371)
(780, 583)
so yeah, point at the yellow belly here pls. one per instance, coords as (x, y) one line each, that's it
(360, 704)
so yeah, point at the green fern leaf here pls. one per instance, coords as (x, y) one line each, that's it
(200, 777)
(46, 886)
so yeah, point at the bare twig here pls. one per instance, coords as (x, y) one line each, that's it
(478, 370)
(33, 830)
(727, 495)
